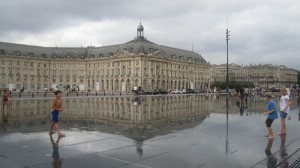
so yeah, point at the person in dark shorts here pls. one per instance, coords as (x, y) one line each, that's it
(57, 107)
(272, 113)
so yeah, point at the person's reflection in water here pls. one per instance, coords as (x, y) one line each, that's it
(5, 110)
(139, 148)
(136, 100)
(246, 107)
(215, 97)
(5, 97)
(283, 154)
(299, 106)
(299, 114)
(5, 124)
(242, 108)
(240, 104)
(238, 101)
(271, 160)
(57, 162)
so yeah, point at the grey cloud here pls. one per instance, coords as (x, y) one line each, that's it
(259, 29)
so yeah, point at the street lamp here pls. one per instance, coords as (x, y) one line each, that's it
(267, 77)
(49, 73)
(227, 89)
(227, 39)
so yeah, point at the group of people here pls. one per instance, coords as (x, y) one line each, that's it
(272, 112)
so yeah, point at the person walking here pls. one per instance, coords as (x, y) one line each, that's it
(272, 113)
(284, 109)
(57, 107)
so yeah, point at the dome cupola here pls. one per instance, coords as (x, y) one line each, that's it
(140, 30)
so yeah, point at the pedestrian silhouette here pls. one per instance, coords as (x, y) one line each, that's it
(57, 161)
(283, 152)
(271, 160)
(5, 124)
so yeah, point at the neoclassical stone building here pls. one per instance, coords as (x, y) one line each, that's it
(120, 67)
(262, 75)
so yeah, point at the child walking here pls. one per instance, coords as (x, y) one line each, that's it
(284, 109)
(272, 113)
(57, 107)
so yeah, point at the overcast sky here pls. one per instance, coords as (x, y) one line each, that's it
(261, 31)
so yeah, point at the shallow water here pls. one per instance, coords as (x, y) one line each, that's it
(142, 131)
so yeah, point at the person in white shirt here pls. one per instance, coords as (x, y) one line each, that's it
(284, 109)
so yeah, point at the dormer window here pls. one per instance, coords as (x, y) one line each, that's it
(2, 52)
(31, 54)
(17, 53)
(110, 54)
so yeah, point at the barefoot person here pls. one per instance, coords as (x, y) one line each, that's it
(284, 109)
(271, 111)
(57, 107)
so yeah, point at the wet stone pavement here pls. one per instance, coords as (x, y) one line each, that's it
(172, 131)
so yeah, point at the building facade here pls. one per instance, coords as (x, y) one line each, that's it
(267, 75)
(115, 68)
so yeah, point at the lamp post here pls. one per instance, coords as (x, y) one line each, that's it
(49, 73)
(267, 77)
(227, 89)
(227, 74)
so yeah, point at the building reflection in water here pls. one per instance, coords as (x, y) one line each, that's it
(127, 112)
(136, 117)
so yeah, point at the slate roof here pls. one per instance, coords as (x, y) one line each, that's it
(38, 51)
(138, 45)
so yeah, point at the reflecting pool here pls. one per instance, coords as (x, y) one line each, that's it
(128, 112)
(143, 131)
